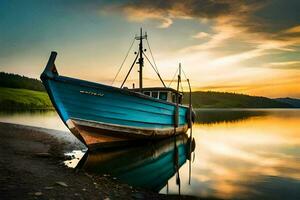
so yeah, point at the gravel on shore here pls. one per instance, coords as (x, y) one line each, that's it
(31, 167)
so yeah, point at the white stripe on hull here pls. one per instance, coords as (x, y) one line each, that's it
(110, 134)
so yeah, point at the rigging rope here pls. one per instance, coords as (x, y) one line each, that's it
(173, 78)
(123, 61)
(181, 86)
(185, 78)
(181, 80)
(154, 69)
(184, 74)
(151, 54)
(137, 55)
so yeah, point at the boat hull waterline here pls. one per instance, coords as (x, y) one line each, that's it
(148, 166)
(99, 114)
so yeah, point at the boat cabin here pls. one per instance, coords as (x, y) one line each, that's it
(162, 93)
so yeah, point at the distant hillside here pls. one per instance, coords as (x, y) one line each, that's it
(23, 99)
(294, 102)
(232, 100)
(17, 81)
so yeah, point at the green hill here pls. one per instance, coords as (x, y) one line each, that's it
(231, 100)
(294, 102)
(23, 99)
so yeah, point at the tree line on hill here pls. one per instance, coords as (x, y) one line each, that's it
(212, 99)
(22, 82)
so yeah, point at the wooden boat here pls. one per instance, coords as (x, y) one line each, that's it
(104, 115)
(149, 165)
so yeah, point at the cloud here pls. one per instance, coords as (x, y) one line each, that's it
(137, 15)
(201, 35)
(267, 24)
(293, 64)
(295, 29)
(235, 58)
(221, 34)
(166, 11)
(230, 18)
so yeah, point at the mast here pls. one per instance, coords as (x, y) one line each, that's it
(141, 59)
(140, 56)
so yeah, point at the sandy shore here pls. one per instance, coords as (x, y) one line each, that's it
(31, 167)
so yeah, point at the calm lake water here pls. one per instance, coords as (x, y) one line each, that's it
(239, 154)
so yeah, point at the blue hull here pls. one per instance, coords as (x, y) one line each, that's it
(98, 113)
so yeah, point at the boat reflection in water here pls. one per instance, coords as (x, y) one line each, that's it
(148, 165)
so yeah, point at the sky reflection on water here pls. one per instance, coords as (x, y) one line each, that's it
(45, 119)
(250, 158)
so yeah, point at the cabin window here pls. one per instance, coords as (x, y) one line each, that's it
(147, 93)
(163, 95)
(180, 99)
(155, 95)
(174, 98)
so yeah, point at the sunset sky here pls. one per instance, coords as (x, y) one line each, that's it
(250, 47)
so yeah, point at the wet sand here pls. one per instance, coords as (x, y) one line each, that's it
(31, 167)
